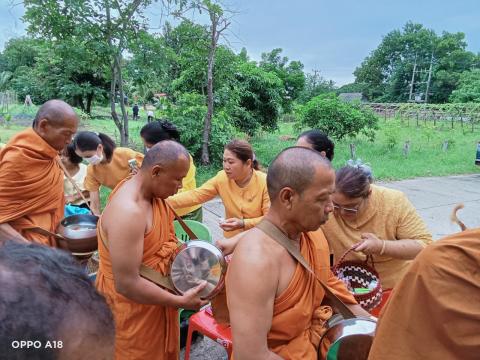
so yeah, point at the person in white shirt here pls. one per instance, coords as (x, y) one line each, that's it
(78, 171)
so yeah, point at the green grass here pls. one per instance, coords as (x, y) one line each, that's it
(385, 154)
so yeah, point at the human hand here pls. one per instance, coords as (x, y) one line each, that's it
(191, 299)
(232, 224)
(226, 245)
(69, 199)
(369, 244)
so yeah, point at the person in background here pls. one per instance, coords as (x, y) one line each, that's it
(150, 116)
(375, 221)
(78, 172)
(241, 186)
(47, 298)
(318, 141)
(108, 164)
(135, 110)
(156, 131)
(31, 181)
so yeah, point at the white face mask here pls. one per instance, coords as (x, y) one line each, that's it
(95, 159)
(147, 149)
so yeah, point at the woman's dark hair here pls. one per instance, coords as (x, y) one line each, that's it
(320, 142)
(89, 141)
(354, 180)
(71, 154)
(244, 151)
(157, 131)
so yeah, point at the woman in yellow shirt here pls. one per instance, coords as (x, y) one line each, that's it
(157, 131)
(108, 164)
(377, 221)
(240, 185)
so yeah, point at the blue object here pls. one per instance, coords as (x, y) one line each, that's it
(75, 210)
(477, 160)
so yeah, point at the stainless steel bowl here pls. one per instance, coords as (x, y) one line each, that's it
(199, 261)
(79, 233)
(349, 339)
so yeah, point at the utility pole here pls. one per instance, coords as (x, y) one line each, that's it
(429, 78)
(413, 79)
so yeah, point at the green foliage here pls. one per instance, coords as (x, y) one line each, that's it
(338, 119)
(387, 71)
(188, 114)
(468, 88)
(391, 136)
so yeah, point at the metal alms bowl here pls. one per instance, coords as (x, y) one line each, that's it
(350, 339)
(79, 233)
(198, 261)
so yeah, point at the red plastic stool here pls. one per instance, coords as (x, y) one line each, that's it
(385, 295)
(204, 323)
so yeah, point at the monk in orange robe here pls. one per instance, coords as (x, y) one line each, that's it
(136, 228)
(275, 305)
(31, 181)
(434, 312)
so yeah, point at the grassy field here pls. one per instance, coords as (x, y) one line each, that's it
(425, 158)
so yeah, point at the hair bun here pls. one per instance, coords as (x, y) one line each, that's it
(365, 168)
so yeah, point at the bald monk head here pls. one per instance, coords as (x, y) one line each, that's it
(46, 297)
(300, 183)
(56, 123)
(164, 167)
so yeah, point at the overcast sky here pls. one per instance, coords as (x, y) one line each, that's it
(332, 36)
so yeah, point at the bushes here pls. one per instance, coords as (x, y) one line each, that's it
(338, 119)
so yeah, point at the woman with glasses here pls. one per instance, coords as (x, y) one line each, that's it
(376, 221)
(108, 164)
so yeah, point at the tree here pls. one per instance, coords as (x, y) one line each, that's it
(291, 74)
(315, 85)
(338, 119)
(468, 89)
(387, 71)
(107, 29)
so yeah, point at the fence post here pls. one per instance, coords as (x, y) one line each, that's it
(406, 148)
(445, 146)
(417, 118)
(353, 152)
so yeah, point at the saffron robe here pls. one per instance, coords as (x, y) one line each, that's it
(31, 186)
(434, 311)
(143, 332)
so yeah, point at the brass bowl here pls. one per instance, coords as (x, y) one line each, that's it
(79, 234)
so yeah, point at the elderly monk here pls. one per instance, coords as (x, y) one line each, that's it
(434, 312)
(275, 304)
(137, 228)
(31, 181)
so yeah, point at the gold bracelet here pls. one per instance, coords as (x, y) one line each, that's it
(383, 247)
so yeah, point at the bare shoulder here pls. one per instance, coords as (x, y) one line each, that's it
(124, 209)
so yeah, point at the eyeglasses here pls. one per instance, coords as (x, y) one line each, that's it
(346, 210)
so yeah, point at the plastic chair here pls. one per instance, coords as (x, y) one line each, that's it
(204, 323)
(199, 229)
(385, 295)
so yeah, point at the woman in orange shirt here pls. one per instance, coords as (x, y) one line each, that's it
(108, 164)
(240, 185)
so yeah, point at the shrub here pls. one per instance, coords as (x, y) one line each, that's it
(338, 119)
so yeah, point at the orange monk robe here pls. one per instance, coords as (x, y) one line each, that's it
(143, 331)
(298, 316)
(434, 312)
(31, 186)
(249, 203)
(110, 174)
(390, 216)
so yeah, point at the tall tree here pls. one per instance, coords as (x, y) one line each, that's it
(107, 27)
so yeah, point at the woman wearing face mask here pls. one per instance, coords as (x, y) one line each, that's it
(240, 185)
(376, 220)
(78, 172)
(157, 131)
(108, 164)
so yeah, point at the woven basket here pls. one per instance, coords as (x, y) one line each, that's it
(357, 274)
(92, 264)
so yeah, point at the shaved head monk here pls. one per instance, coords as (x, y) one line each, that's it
(276, 307)
(137, 228)
(434, 311)
(31, 181)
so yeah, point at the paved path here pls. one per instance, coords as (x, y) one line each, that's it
(434, 199)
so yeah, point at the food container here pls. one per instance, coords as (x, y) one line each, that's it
(78, 234)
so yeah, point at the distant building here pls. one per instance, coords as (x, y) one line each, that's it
(349, 97)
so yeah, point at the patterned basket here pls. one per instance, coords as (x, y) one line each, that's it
(92, 264)
(360, 275)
